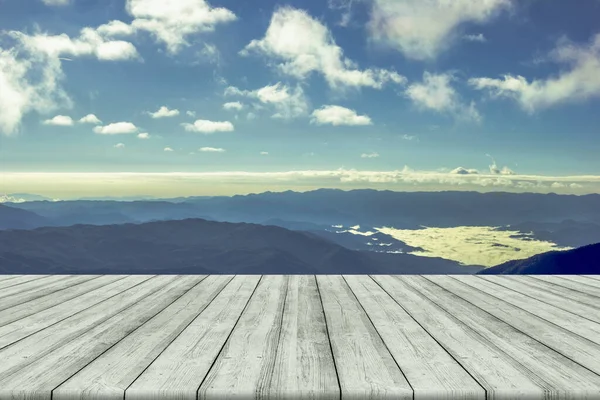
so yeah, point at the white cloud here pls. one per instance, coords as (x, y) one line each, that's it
(191, 113)
(172, 22)
(336, 115)
(116, 128)
(56, 2)
(115, 28)
(234, 105)
(206, 126)
(581, 81)
(90, 119)
(495, 170)
(143, 135)
(250, 116)
(88, 43)
(59, 120)
(369, 155)
(264, 153)
(119, 146)
(210, 54)
(29, 81)
(286, 102)
(212, 149)
(409, 137)
(168, 149)
(163, 112)
(304, 45)
(475, 38)
(436, 93)
(421, 29)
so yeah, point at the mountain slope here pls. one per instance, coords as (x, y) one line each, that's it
(195, 246)
(16, 218)
(583, 260)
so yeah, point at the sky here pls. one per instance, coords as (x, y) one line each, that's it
(189, 97)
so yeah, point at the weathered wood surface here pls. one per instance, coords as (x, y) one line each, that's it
(301, 336)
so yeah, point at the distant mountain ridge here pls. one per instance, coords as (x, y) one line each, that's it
(406, 210)
(196, 246)
(581, 261)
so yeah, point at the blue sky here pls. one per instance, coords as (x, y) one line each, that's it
(235, 96)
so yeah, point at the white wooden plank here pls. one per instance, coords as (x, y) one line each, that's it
(589, 280)
(555, 337)
(4, 278)
(546, 295)
(304, 367)
(109, 375)
(559, 291)
(574, 282)
(561, 375)
(245, 364)
(365, 367)
(502, 376)
(60, 283)
(37, 379)
(179, 370)
(29, 286)
(21, 279)
(567, 320)
(42, 303)
(596, 277)
(30, 348)
(430, 370)
(19, 329)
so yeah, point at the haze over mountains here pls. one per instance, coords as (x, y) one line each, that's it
(565, 220)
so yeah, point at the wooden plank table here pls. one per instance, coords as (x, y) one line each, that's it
(299, 337)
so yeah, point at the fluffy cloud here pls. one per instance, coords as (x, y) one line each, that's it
(89, 43)
(56, 2)
(234, 105)
(336, 115)
(475, 38)
(143, 135)
(206, 126)
(116, 128)
(369, 155)
(90, 119)
(59, 120)
(168, 149)
(304, 45)
(119, 146)
(421, 29)
(436, 93)
(211, 149)
(172, 22)
(495, 170)
(286, 102)
(264, 153)
(29, 81)
(191, 113)
(163, 112)
(579, 82)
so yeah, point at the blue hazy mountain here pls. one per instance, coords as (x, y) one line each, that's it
(196, 246)
(16, 218)
(582, 261)
(330, 207)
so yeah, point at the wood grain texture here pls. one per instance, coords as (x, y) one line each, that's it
(569, 321)
(27, 287)
(60, 283)
(245, 365)
(4, 278)
(178, 372)
(558, 374)
(555, 337)
(303, 366)
(596, 277)
(60, 362)
(71, 313)
(5, 285)
(45, 302)
(502, 376)
(562, 292)
(574, 282)
(109, 375)
(547, 295)
(365, 367)
(430, 370)
(589, 280)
